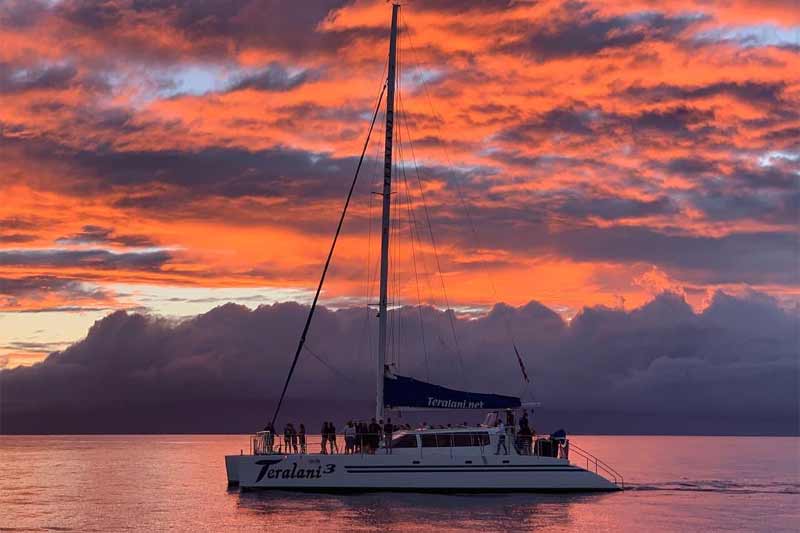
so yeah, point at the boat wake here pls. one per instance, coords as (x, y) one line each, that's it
(715, 485)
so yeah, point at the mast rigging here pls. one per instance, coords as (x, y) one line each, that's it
(385, 220)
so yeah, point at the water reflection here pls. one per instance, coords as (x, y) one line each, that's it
(409, 512)
(178, 483)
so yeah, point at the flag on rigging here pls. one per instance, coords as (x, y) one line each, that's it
(521, 364)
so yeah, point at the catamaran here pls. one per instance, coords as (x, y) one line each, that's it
(487, 457)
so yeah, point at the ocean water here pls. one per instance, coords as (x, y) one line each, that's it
(178, 483)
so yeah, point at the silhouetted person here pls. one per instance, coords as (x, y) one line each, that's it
(332, 437)
(501, 438)
(359, 437)
(301, 435)
(324, 438)
(349, 438)
(388, 429)
(269, 438)
(374, 431)
(293, 438)
(525, 435)
(287, 438)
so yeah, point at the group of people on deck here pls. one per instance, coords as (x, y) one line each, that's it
(366, 437)
(363, 437)
(359, 437)
(294, 440)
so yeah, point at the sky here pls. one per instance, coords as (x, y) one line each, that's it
(167, 157)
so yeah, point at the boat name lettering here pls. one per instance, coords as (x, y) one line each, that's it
(453, 404)
(292, 473)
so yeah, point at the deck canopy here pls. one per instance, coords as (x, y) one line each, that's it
(409, 393)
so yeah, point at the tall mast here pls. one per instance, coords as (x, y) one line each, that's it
(387, 203)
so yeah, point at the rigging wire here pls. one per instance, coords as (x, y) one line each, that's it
(365, 336)
(449, 311)
(402, 173)
(372, 273)
(328, 260)
(411, 226)
(465, 205)
(328, 365)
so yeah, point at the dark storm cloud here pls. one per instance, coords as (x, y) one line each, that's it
(231, 172)
(14, 291)
(96, 259)
(297, 114)
(763, 178)
(276, 78)
(91, 234)
(766, 257)
(576, 119)
(790, 134)
(759, 93)
(582, 32)
(21, 13)
(223, 171)
(583, 122)
(451, 7)
(11, 238)
(689, 165)
(676, 120)
(611, 208)
(14, 79)
(221, 371)
(782, 207)
(18, 229)
(18, 222)
(211, 29)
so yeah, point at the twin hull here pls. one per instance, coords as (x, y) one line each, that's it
(398, 472)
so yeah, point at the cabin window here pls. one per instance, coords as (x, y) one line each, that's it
(480, 439)
(470, 439)
(445, 440)
(428, 440)
(435, 440)
(462, 439)
(405, 441)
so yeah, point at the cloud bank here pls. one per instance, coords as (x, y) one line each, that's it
(660, 368)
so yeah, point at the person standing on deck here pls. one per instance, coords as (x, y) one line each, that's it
(302, 437)
(269, 439)
(349, 438)
(373, 435)
(525, 433)
(287, 438)
(293, 438)
(501, 437)
(388, 429)
(360, 444)
(324, 438)
(332, 437)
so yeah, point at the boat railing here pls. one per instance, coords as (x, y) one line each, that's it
(267, 443)
(593, 463)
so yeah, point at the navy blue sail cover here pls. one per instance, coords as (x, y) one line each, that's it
(401, 391)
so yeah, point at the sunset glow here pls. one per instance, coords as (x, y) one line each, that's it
(171, 159)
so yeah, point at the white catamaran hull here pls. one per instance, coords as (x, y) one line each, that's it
(396, 472)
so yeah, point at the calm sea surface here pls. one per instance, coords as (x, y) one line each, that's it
(178, 483)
